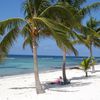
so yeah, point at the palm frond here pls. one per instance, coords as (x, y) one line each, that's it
(96, 42)
(34, 7)
(98, 30)
(93, 23)
(27, 41)
(44, 4)
(9, 39)
(28, 8)
(26, 30)
(61, 14)
(66, 44)
(86, 10)
(75, 3)
(52, 24)
(58, 31)
(10, 24)
(85, 64)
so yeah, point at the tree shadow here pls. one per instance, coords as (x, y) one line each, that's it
(82, 77)
(17, 88)
(57, 90)
(79, 84)
(95, 71)
(61, 88)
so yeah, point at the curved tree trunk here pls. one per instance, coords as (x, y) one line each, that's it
(64, 69)
(38, 85)
(91, 55)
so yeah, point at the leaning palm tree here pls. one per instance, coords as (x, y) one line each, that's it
(37, 23)
(91, 36)
(66, 50)
(71, 22)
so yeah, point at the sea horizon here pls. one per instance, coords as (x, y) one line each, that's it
(11, 55)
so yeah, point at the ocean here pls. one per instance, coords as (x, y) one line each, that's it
(18, 64)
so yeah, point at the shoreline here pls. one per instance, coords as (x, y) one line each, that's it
(53, 69)
(44, 71)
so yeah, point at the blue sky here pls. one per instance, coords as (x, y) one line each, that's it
(12, 8)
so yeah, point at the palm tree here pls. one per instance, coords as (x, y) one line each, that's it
(86, 64)
(66, 49)
(71, 22)
(91, 36)
(35, 24)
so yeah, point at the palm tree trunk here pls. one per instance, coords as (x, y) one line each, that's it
(86, 74)
(91, 55)
(38, 85)
(64, 69)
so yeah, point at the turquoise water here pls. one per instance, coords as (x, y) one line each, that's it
(24, 64)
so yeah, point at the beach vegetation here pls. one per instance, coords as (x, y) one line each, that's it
(91, 36)
(86, 64)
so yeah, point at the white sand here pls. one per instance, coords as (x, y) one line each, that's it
(21, 87)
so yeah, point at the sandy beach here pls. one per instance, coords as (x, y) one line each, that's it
(22, 87)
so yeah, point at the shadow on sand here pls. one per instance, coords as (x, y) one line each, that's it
(15, 88)
(95, 71)
(82, 77)
(62, 88)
